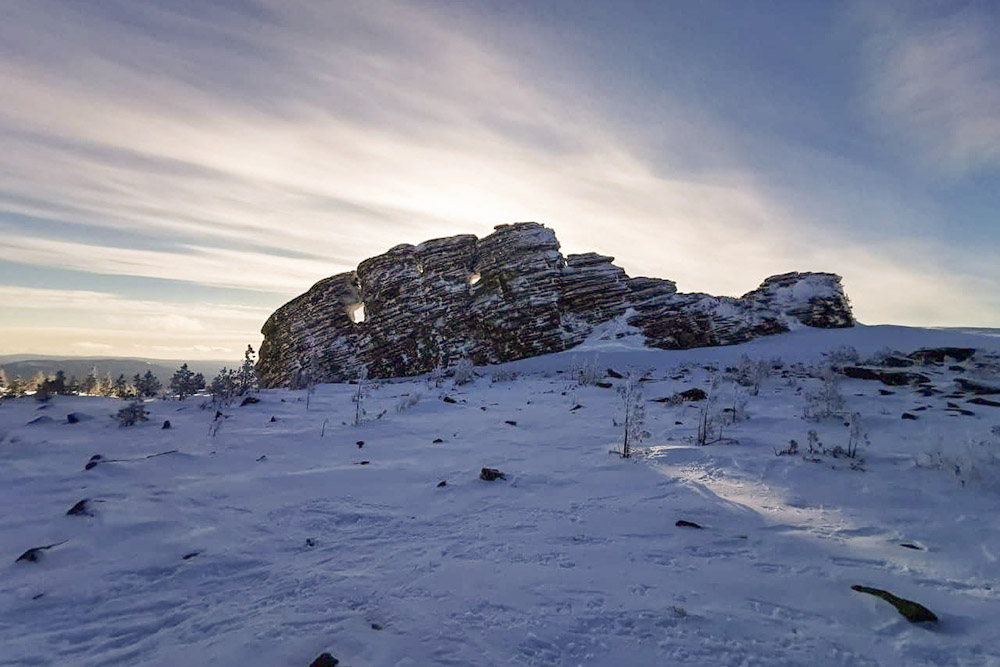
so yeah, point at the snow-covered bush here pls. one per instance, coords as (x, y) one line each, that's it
(132, 414)
(737, 409)
(436, 377)
(503, 376)
(826, 400)
(710, 419)
(463, 372)
(588, 373)
(751, 373)
(845, 355)
(633, 413)
(359, 397)
(976, 460)
(408, 401)
(857, 435)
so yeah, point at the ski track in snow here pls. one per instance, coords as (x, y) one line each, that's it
(573, 560)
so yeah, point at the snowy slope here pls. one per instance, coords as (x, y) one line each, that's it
(574, 559)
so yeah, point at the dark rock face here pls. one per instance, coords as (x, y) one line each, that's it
(508, 296)
(891, 378)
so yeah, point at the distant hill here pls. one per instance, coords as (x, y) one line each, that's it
(27, 366)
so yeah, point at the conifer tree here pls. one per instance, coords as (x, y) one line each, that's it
(91, 383)
(120, 387)
(247, 381)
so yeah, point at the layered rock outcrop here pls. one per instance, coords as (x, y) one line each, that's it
(507, 296)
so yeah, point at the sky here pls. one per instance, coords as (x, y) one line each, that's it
(172, 171)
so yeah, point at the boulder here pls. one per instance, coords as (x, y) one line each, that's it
(491, 474)
(912, 611)
(891, 378)
(973, 387)
(938, 355)
(508, 296)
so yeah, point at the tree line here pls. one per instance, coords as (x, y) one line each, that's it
(184, 383)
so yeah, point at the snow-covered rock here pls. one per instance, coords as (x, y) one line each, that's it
(508, 296)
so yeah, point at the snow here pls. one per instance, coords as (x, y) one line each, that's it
(575, 559)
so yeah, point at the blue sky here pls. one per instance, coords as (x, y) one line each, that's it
(172, 171)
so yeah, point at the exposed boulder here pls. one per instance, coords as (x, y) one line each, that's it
(912, 611)
(891, 378)
(938, 355)
(976, 387)
(507, 296)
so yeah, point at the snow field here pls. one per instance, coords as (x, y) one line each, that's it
(575, 559)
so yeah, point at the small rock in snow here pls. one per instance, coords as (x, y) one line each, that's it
(442, 484)
(511, 422)
(912, 611)
(81, 508)
(166, 424)
(490, 474)
(681, 523)
(191, 555)
(908, 415)
(449, 399)
(325, 660)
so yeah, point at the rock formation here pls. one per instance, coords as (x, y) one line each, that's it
(507, 296)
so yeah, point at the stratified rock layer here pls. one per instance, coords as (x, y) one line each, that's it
(508, 296)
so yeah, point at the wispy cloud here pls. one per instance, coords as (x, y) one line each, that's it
(92, 321)
(936, 80)
(268, 147)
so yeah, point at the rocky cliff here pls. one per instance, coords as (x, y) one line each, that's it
(507, 296)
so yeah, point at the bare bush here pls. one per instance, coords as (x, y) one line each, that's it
(826, 400)
(845, 355)
(633, 415)
(463, 372)
(589, 373)
(408, 401)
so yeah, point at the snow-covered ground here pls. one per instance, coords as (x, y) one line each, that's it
(574, 559)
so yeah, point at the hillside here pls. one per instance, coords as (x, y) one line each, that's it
(279, 532)
(27, 366)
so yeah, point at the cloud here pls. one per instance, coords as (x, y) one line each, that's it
(268, 149)
(53, 321)
(936, 81)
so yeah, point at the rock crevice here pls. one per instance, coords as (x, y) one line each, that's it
(506, 296)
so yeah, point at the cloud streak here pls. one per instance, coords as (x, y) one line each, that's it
(267, 148)
(936, 81)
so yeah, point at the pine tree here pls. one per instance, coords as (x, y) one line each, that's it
(16, 387)
(120, 388)
(148, 385)
(223, 387)
(180, 383)
(91, 383)
(3, 383)
(37, 381)
(106, 386)
(57, 385)
(247, 381)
